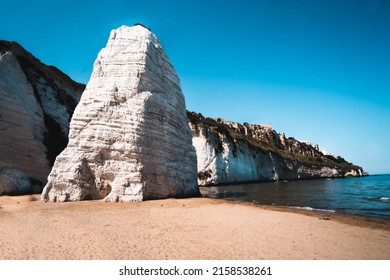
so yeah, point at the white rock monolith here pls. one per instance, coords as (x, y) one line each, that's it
(129, 136)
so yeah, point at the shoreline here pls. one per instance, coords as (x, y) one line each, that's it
(351, 196)
(192, 228)
(342, 217)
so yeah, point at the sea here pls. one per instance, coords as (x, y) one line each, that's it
(369, 195)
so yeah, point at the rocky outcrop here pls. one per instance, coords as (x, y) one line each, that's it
(229, 152)
(129, 136)
(36, 104)
(129, 139)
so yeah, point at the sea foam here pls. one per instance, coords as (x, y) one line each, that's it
(312, 209)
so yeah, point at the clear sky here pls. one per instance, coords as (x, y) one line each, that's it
(317, 70)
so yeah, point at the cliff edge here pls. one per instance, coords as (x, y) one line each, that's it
(36, 104)
(230, 152)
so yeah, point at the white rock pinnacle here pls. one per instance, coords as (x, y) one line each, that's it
(129, 136)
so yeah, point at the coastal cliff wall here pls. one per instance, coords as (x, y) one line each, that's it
(36, 104)
(229, 152)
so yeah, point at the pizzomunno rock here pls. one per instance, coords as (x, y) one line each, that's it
(129, 136)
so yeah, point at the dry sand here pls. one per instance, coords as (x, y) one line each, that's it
(196, 228)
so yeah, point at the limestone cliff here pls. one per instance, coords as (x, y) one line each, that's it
(130, 140)
(129, 136)
(229, 152)
(36, 104)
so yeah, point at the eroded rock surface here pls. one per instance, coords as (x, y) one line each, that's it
(129, 136)
(230, 152)
(36, 104)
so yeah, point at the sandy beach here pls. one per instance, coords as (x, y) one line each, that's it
(196, 228)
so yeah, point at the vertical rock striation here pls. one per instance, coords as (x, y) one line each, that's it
(36, 104)
(129, 136)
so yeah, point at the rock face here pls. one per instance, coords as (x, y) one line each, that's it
(36, 104)
(229, 152)
(129, 136)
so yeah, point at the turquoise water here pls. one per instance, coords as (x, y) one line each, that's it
(368, 196)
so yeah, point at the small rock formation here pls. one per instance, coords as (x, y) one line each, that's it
(129, 136)
(229, 152)
(36, 104)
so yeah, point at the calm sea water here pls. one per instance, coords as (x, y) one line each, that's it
(368, 196)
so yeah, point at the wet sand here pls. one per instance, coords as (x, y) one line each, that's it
(188, 229)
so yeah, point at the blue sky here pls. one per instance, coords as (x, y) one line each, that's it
(317, 70)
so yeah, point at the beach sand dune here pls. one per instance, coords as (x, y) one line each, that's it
(196, 228)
